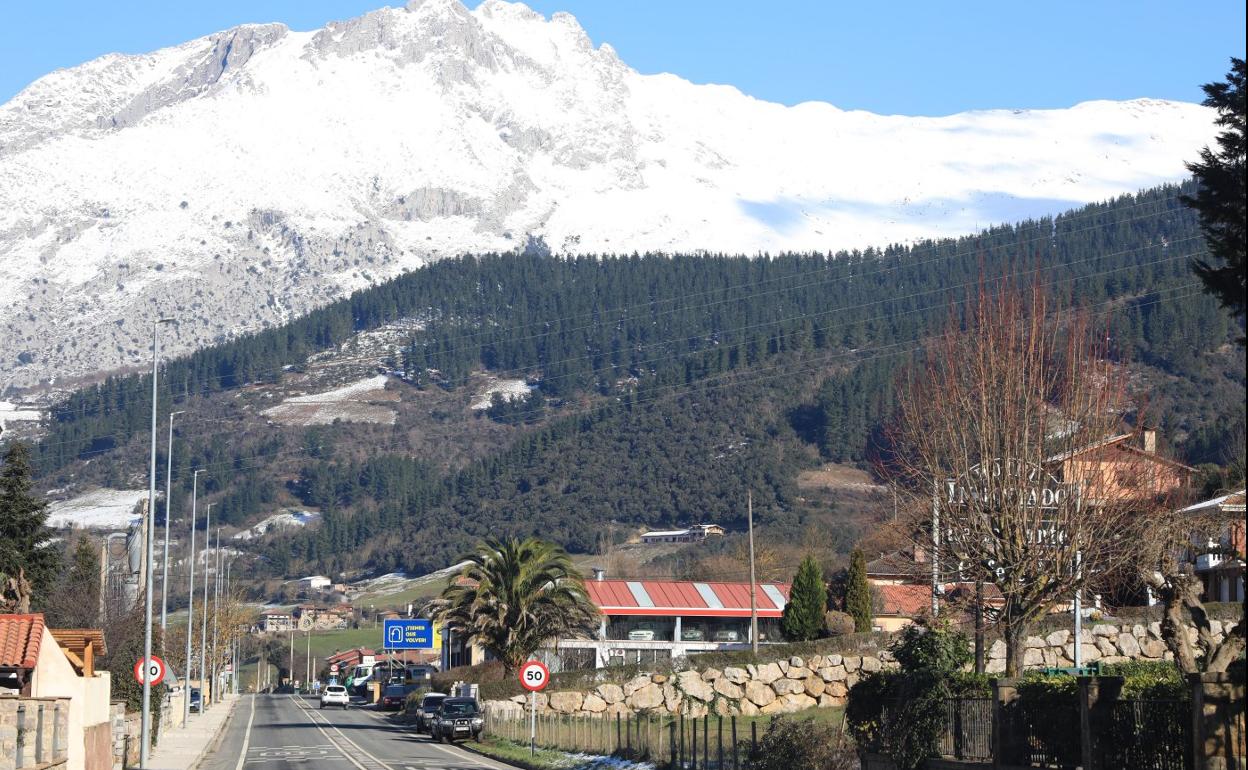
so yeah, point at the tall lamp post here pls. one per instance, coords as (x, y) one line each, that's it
(164, 581)
(145, 725)
(203, 629)
(190, 607)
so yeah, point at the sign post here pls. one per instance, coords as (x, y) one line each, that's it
(152, 674)
(533, 677)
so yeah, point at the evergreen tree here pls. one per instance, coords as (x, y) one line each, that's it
(1220, 198)
(28, 561)
(803, 615)
(858, 592)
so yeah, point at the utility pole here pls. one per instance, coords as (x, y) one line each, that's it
(308, 678)
(203, 628)
(749, 507)
(935, 551)
(164, 581)
(145, 724)
(292, 654)
(190, 607)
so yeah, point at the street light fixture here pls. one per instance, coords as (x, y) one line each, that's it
(145, 725)
(164, 582)
(204, 686)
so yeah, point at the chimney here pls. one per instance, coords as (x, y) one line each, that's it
(1150, 441)
(600, 574)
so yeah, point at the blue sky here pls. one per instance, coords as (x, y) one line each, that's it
(916, 58)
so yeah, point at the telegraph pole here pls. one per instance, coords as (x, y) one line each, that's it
(749, 507)
(145, 724)
(190, 608)
(164, 581)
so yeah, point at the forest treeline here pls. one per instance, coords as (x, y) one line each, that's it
(645, 342)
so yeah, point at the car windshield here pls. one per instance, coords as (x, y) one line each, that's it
(335, 690)
(432, 701)
(461, 709)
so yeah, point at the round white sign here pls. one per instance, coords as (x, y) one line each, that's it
(155, 670)
(534, 675)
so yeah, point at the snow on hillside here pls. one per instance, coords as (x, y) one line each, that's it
(355, 402)
(511, 390)
(278, 521)
(98, 509)
(12, 413)
(246, 177)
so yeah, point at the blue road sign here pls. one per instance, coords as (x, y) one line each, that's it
(403, 634)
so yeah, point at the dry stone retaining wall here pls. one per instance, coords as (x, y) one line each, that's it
(799, 683)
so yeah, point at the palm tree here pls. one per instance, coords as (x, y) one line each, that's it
(514, 595)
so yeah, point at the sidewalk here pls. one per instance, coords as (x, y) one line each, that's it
(182, 748)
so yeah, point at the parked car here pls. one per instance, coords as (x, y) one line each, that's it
(641, 635)
(427, 708)
(692, 635)
(392, 697)
(335, 695)
(197, 700)
(457, 718)
(727, 635)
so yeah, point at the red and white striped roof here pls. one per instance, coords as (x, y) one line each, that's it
(669, 598)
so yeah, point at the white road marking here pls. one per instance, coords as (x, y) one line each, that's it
(308, 712)
(242, 756)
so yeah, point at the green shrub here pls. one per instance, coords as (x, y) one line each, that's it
(901, 714)
(838, 623)
(802, 744)
(1147, 679)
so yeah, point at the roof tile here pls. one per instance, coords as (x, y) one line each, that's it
(20, 637)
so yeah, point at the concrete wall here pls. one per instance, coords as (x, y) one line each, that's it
(54, 676)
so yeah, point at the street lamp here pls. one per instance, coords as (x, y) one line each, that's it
(203, 629)
(190, 607)
(164, 582)
(145, 725)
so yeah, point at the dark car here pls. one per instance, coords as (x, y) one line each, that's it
(197, 700)
(392, 697)
(457, 718)
(427, 708)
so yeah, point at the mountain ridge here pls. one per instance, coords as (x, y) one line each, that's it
(244, 178)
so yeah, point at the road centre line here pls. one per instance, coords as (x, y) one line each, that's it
(309, 714)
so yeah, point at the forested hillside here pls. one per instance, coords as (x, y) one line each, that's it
(667, 383)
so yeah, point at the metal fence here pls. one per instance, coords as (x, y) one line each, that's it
(41, 734)
(968, 729)
(703, 743)
(1040, 733)
(1146, 734)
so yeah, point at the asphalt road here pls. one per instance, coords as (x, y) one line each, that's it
(288, 732)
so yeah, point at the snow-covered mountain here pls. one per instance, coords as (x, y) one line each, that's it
(243, 178)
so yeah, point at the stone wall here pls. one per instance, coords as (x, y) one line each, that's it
(47, 744)
(797, 683)
(1107, 642)
(777, 687)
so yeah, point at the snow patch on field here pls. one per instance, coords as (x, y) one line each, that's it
(10, 412)
(511, 390)
(278, 521)
(355, 402)
(99, 509)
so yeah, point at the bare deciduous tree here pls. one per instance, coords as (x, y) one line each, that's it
(991, 436)
(1166, 560)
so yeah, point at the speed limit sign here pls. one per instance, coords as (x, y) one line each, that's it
(155, 670)
(534, 675)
